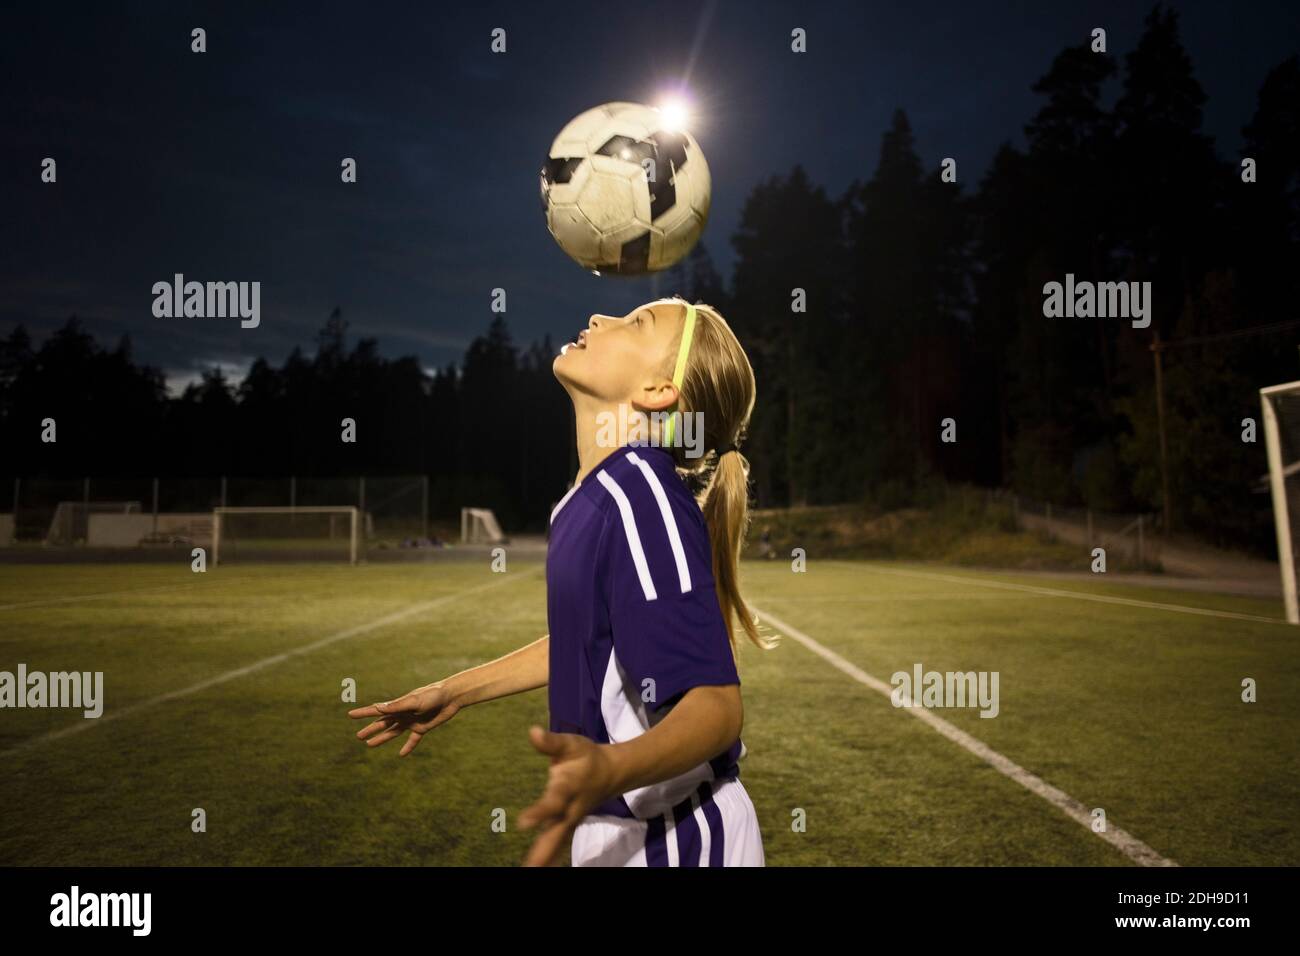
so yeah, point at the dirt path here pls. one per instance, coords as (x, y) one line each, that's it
(1187, 564)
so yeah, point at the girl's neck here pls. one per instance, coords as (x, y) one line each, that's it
(587, 414)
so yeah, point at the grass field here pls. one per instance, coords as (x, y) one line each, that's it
(223, 693)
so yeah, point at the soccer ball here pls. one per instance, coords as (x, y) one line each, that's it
(624, 190)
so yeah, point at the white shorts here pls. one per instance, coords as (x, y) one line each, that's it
(715, 826)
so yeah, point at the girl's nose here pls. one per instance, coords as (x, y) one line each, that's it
(595, 321)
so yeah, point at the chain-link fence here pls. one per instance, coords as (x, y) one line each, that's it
(133, 512)
(1135, 536)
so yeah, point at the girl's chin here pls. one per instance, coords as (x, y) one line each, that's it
(562, 369)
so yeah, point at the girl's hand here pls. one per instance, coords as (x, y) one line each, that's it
(581, 776)
(419, 712)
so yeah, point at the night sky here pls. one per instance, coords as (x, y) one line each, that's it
(224, 166)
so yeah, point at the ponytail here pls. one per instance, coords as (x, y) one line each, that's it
(718, 383)
(726, 512)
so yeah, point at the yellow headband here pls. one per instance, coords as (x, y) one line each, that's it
(679, 370)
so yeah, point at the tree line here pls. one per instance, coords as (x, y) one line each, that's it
(925, 303)
(870, 318)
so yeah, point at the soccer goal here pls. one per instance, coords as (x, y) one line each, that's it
(286, 534)
(479, 526)
(1282, 440)
(71, 521)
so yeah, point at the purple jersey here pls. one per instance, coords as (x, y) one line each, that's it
(634, 617)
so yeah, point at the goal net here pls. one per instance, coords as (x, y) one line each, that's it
(70, 524)
(286, 534)
(479, 526)
(1282, 440)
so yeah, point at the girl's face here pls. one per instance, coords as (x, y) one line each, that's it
(625, 358)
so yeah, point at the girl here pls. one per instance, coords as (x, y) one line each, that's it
(642, 590)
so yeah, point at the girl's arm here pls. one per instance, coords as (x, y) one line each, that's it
(525, 669)
(704, 723)
(434, 704)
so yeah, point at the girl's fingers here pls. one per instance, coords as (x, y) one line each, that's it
(398, 716)
(551, 744)
(379, 709)
(372, 728)
(547, 848)
(404, 704)
(418, 730)
(552, 805)
(437, 720)
(394, 731)
(544, 811)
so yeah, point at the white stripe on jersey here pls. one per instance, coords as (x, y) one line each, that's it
(706, 834)
(565, 500)
(619, 841)
(670, 524)
(621, 709)
(625, 717)
(629, 529)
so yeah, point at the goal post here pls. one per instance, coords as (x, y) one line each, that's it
(479, 526)
(293, 533)
(1281, 407)
(71, 521)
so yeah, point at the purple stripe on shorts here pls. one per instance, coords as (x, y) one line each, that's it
(714, 816)
(687, 832)
(656, 846)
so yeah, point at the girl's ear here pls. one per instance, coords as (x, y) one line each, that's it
(656, 396)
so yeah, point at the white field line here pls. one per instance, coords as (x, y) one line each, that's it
(343, 635)
(73, 599)
(1078, 595)
(126, 592)
(1123, 841)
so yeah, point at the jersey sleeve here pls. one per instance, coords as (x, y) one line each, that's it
(668, 631)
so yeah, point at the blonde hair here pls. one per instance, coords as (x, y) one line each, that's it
(719, 384)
